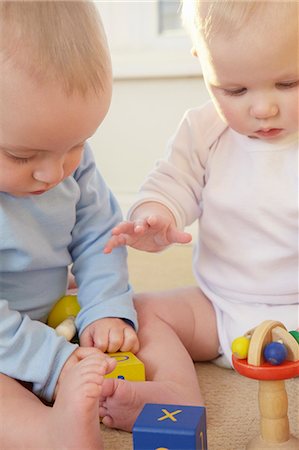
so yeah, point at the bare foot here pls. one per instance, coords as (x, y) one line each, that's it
(74, 418)
(123, 400)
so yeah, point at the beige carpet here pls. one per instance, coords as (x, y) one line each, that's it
(231, 400)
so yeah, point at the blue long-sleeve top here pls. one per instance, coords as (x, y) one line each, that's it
(40, 236)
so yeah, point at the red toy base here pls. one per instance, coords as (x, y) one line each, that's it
(288, 369)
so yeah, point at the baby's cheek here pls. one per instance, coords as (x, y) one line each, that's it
(71, 166)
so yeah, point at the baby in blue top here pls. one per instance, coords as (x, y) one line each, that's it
(55, 210)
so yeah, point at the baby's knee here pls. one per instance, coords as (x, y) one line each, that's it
(147, 306)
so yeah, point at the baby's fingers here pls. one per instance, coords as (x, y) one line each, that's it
(132, 229)
(130, 341)
(159, 223)
(176, 236)
(114, 242)
(123, 228)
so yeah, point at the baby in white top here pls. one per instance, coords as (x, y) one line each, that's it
(232, 166)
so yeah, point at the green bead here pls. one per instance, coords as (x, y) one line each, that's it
(295, 335)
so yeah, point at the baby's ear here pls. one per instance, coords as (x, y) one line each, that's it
(194, 52)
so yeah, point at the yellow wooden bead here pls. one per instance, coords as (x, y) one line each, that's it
(65, 307)
(240, 347)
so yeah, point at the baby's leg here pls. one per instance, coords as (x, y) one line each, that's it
(175, 328)
(73, 421)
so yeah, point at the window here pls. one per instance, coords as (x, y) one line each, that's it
(169, 19)
(146, 39)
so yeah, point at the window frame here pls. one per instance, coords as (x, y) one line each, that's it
(137, 48)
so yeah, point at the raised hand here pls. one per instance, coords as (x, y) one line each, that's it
(152, 234)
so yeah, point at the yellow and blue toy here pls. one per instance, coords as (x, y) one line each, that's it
(62, 318)
(271, 357)
(170, 427)
(128, 367)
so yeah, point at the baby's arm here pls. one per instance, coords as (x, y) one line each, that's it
(104, 293)
(152, 227)
(31, 351)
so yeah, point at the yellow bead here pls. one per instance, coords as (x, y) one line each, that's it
(65, 307)
(240, 347)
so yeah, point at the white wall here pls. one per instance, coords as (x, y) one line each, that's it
(144, 113)
(155, 81)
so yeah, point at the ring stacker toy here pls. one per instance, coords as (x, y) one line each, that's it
(270, 354)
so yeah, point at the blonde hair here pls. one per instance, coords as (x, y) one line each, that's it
(206, 18)
(60, 41)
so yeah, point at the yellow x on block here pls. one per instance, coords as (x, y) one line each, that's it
(169, 415)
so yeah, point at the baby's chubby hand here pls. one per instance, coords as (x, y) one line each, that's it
(110, 335)
(152, 228)
(152, 234)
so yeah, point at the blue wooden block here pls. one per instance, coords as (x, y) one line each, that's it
(170, 427)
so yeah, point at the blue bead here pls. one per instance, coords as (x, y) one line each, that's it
(275, 353)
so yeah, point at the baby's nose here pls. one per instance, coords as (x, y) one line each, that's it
(51, 172)
(264, 110)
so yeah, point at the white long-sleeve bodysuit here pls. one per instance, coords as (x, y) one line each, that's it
(244, 194)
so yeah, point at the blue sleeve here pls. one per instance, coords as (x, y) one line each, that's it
(38, 353)
(103, 289)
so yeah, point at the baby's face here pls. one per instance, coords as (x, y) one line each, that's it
(42, 132)
(253, 79)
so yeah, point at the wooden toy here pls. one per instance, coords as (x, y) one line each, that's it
(273, 400)
(62, 316)
(275, 353)
(170, 427)
(240, 347)
(128, 367)
(295, 334)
